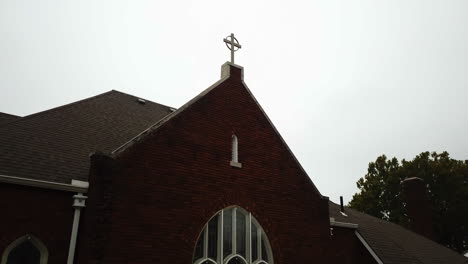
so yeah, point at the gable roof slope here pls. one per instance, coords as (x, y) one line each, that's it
(228, 70)
(395, 244)
(54, 145)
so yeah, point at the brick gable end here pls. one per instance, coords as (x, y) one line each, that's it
(170, 183)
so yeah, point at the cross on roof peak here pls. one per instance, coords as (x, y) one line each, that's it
(232, 44)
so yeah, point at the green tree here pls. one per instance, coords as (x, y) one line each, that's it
(380, 193)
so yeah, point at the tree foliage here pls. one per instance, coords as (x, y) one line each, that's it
(447, 188)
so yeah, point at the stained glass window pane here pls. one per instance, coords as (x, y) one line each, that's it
(240, 233)
(24, 253)
(227, 232)
(254, 242)
(209, 243)
(236, 260)
(264, 253)
(213, 237)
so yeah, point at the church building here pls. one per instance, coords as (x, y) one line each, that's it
(117, 179)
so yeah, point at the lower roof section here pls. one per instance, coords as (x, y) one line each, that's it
(54, 145)
(392, 243)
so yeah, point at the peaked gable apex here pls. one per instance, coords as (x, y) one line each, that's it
(228, 71)
(225, 74)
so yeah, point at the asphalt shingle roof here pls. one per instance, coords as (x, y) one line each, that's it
(395, 244)
(55, 145)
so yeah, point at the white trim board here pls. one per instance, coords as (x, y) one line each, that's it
(75, 186)
(345, 225)
(342, 224)
(371, 251)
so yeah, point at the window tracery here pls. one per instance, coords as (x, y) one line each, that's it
(232, 236)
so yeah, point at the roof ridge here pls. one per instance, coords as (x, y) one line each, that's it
(143, 99)
(27, 117)
(362, 213)
(382, 220)
(389, 222)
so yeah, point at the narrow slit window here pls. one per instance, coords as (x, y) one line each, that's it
(235, 149)
(235, 152)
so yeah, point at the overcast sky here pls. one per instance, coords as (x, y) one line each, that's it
(343, 81)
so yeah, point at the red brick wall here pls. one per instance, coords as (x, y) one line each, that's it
(347, 249)
(45, 214)
(95, 224)
(166, 187)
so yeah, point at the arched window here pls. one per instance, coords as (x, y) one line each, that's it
(25, 250)
(233, 236)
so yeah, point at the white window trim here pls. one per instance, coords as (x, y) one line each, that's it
(75, 186)
(228, 258)
(35, 241)
(221, 259)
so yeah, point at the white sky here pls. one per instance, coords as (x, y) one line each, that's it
(343, 81)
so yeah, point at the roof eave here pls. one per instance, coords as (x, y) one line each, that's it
(342, 224)
(75, 186)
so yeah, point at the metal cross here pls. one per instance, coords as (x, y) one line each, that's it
(232, 44)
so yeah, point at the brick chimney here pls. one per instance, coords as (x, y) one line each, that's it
(418, 206)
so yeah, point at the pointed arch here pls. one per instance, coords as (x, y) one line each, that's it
(26, 240)
(232, 236)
